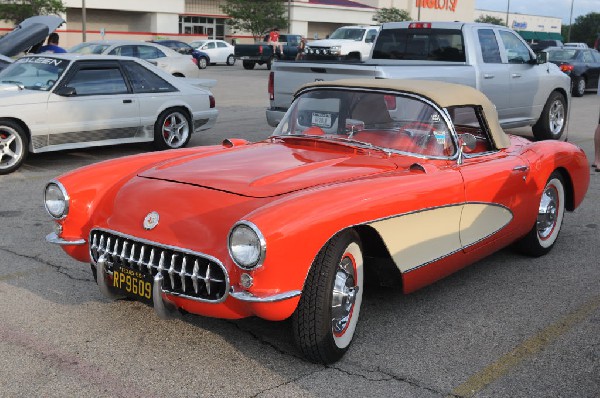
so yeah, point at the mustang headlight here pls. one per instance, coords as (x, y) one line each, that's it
(247, 246)
(56, 200)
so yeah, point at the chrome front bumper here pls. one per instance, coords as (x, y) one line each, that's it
(57, 240)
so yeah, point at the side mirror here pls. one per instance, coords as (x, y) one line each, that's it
(468, 140)
(66, 91)
(542, 57)
(353, 126)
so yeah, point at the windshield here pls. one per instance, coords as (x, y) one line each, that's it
(89, 48)
(34, 73)
(198, 43)
(348, 34)
(387, 121)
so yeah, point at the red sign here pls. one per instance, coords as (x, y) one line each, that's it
(449, 5)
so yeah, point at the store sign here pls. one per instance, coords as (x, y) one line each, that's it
(449, 5)
(519, 25)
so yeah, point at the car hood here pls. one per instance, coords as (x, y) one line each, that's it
(269, 169)
(28, 33)
(10, 94)
(329, 42)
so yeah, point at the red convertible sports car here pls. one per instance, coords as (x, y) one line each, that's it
(405, 181)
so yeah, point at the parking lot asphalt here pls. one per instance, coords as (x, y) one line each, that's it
(507, 326)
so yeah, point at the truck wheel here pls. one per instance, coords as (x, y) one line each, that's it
(325, 319)
(552, 121)
(353, 57)
(13, 146)
(230, 60)
(249, 65)
(578, 86)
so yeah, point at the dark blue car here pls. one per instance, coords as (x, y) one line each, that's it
(581, 64)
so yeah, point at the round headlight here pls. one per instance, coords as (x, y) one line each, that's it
(247, 245)
(56, 200)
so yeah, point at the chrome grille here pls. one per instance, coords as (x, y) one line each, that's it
(188, 274)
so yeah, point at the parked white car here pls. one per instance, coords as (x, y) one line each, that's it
(577, 45)
(169, 60)
(50, 102)
(219, 51)
(345, 43)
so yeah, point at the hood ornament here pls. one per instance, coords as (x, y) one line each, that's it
(151, 220)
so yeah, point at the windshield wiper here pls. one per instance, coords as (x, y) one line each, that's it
(15, 82)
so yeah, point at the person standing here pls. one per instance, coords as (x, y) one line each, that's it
(52, 45)
(301, 47)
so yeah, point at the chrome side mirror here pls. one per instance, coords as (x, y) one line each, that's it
(466, 140)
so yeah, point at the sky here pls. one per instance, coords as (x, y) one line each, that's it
(546, 8)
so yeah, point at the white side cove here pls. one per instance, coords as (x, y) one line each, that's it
(417, 239)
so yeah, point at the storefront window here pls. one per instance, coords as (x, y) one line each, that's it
(213, 28)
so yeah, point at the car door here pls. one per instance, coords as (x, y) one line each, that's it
(222, 52)
(592, 62)
(92, 103)
(492, 73)
(525, 78)
(211, 49)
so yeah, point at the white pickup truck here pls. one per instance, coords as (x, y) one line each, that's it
(345, 43)
(526, 90)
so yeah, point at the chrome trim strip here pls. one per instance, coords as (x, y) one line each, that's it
(250, 298)
(53, 238)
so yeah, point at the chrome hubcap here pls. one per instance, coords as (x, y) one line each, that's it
(344, 295)
(557, 116)
(11, 148)
(175, 130)
(548, 212)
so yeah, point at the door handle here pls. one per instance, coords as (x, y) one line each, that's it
(488, 76)
(127, 101)
(521, 168)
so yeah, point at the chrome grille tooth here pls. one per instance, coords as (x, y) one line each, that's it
(124, 250)
(115, 251)
(207, 281)
(182, 273)
(195, 275)
(141, 260)
(107, 251)
(131, 259)
(94, 242)
(151, 261)
(172, 271)
(101, 244)
(161, 262)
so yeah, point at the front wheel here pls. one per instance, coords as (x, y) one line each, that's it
(172, 129)
(231, 60)
(13, 146)
(552, 121)
(325, 319)
(543, 234)
(202, 63)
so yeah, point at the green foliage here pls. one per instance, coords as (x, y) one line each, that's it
(585, 28)
(384, 15)
(256, 17)
(18, 10)
(491, 19)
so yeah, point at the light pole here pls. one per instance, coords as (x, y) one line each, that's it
(507, 11)
(83, 18)
(570, 23)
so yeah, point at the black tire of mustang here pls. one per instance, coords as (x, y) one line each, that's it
(553, 119)
(542, 236)
(335, 280)
(173, 129)
(14, 146)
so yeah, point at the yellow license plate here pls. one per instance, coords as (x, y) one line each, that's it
(133, 283)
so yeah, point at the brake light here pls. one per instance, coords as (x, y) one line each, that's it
(419, 25)
(195, 61)
(212, 101)
(271, 86)
(566, 68)
(260, 49)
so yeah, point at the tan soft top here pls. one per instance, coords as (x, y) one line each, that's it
(442, 93)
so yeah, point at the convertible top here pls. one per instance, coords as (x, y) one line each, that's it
(442, 93)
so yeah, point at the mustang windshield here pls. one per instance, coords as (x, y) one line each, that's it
(389, 121)
(34, 73)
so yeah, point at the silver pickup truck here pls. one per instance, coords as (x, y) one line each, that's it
(527, 90)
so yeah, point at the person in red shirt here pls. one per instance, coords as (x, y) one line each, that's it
(274, 41)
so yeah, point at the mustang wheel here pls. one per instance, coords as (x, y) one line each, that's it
(172, 129)
(328, 311)
(230, 60)
(542, 236)
(13, 146)
(552, 121)
(202, 63)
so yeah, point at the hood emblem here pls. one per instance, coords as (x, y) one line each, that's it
(151, 220)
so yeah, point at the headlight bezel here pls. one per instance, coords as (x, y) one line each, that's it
(66, 199)
(262, 244)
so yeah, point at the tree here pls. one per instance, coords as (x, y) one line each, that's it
(18, 10)
(585, 28)
(384, 15)
(491, 19)
(256, 17)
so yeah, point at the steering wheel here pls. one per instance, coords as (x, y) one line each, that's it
(50, 82)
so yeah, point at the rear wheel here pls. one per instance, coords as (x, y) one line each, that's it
(552, 121)
(578, 86)
(325, 319)
(13, 146)
(543, 234)
(248, 65)
(230, 60)
(269, 63)
(172, 129)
